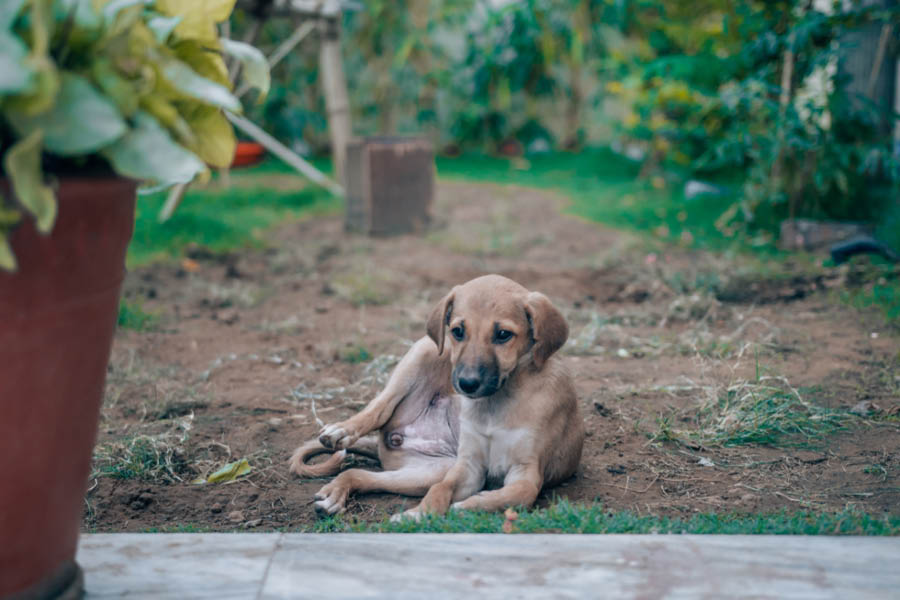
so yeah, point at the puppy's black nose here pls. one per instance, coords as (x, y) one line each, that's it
(468, 386)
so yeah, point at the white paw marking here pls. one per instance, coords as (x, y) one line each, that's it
(335, 437)
(409, 515)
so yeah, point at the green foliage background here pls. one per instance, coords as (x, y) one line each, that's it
(689, 88)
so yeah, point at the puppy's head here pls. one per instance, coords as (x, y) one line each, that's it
(489, 324)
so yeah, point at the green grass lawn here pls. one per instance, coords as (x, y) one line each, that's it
(221, 218)
(565, 517)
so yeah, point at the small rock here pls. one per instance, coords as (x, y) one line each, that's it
(622, 353)
(748, 497)
(864, 408)
(705, 462)
(236, 516)
(252, 523)
(321, 309)
(215, 508)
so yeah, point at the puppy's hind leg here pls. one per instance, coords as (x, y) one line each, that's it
(413, 479)
(417, 368)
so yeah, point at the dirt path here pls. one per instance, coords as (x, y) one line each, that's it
(247, 344)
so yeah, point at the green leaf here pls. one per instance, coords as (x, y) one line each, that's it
(162, 27)
(256, 67)
(112, 8)
(83, 13)
(81, 121)
(188, 82)
(229, 472)
(147, 152)
(14, 73)
(9, 10)
(23, 166)
(117, 88)
(7, 258)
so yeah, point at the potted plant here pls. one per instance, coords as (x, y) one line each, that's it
(96, 97)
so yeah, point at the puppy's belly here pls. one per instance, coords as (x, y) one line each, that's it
(434, 432)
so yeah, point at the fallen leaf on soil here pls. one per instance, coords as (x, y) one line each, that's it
(229, 472)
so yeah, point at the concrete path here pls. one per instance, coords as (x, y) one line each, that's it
(332, 566)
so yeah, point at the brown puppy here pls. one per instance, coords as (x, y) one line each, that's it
(490, 406)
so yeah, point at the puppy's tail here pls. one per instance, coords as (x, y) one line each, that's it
(366, 446)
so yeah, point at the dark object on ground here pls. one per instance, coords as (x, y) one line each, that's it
(863, 244)
(390, 185)
(808, 235)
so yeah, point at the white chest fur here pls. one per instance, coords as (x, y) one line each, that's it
(485, 439)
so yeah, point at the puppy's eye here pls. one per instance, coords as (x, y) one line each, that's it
(458, 333)
(502, 336)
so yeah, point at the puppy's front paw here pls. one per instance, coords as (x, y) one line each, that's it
(338, 436)
(412, 514)
(470, 503)
(331, 499)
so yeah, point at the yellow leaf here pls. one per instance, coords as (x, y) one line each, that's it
(214, 140)
(229, 472)
(198, 17)
(166, 113)
(23, 165)
(204, 61)
(7, 258)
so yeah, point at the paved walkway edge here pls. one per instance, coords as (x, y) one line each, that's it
(434, 566)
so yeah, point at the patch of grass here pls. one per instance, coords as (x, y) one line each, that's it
(149, 458)
(355, 355)
(221, 218)
(133, 316)
(566, 517)
(361, 286)
(767, 411)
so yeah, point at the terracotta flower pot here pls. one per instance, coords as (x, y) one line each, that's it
(57, 318)
(247, 153)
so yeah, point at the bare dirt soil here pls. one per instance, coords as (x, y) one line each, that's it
(250, 348)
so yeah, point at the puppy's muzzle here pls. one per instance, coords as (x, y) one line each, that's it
(475, 382)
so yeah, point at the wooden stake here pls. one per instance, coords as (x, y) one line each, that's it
(284, 153)
(334, 86)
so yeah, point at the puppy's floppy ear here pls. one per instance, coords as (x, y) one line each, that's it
(549, 329)
(439, 319)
